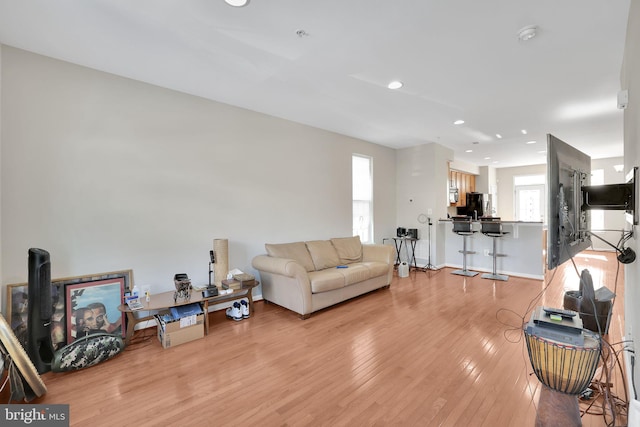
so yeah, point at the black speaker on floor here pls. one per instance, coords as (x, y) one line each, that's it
(39, 345)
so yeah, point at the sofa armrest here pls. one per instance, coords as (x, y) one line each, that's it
(284, 282)
(378, 252)
(282, 266)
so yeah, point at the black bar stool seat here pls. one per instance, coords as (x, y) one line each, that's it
(462, 226)
(492, 227)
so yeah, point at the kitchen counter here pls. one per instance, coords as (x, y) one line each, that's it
(504, 222)
(523, 247)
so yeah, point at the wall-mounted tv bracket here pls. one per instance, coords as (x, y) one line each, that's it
(614, 197)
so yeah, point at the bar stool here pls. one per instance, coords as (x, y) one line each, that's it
(462, 227)
(492, 227)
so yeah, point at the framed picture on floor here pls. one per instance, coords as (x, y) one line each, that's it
(12, 350)
(18, 306)
(92, 307)
(59, 320)
(18, 310)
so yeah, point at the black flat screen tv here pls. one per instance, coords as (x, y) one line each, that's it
(568, 170)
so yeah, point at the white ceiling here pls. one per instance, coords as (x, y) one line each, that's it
(459, 59)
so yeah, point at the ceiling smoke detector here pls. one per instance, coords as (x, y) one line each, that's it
(237, 3)
(527, 33)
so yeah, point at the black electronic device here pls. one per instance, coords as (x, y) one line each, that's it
(475, 204)
(412, 233)
(401, 232)
(562, 336)
(566, 323)
(571, 198)
(212, 260)
(560, 312)
(568, 170)
(211, 291)
(566, 330)
(39, 344)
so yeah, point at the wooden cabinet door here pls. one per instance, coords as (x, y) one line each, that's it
(465, 183)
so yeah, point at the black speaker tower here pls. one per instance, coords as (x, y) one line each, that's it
(39, 345)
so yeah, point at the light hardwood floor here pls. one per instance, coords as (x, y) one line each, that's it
(434, 349)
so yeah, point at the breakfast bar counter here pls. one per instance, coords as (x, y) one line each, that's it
(522, 247)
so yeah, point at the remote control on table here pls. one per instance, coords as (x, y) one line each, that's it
(560, 312)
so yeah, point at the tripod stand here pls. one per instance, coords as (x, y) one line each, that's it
(423, 219)
(430, 266)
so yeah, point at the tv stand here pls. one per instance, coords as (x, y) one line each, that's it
(166, 300)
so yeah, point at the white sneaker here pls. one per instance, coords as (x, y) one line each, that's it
(244, 307)
(234, 312)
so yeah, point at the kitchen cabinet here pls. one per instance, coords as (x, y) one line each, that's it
(464, 182)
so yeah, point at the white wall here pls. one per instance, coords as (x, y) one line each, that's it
(422, 188)
(630, 80)
(108, 173)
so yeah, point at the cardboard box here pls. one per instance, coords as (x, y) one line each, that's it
(180, 331)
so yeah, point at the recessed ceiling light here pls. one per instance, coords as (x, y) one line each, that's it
(237, 3)
(396, 84)
(531, 142)
(495, 161)
(468, 151)
(487, 158)
(458, 122)
(527, 33)
(618, 168)
(498, 136)
(524, 131)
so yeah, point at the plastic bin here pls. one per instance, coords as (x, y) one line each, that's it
(403, 269)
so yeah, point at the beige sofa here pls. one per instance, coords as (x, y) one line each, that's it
(308, 276)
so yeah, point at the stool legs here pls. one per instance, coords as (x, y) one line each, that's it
(495, 275)
(464, 271)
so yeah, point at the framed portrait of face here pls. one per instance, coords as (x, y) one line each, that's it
(18, 307)
(92, 307)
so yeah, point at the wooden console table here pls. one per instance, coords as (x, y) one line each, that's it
(165, 300)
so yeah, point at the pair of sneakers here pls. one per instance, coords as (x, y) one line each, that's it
(239, 310)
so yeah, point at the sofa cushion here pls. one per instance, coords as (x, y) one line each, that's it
(355, 273)
(326, 280)
(377, 268)
(349, 249)
(323, 254)
(296, 251)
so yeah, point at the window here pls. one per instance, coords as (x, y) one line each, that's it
(529, 198)
(362, 198)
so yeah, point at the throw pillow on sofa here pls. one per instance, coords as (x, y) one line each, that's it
(296, 251)
(323, 254)
(349, 249)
